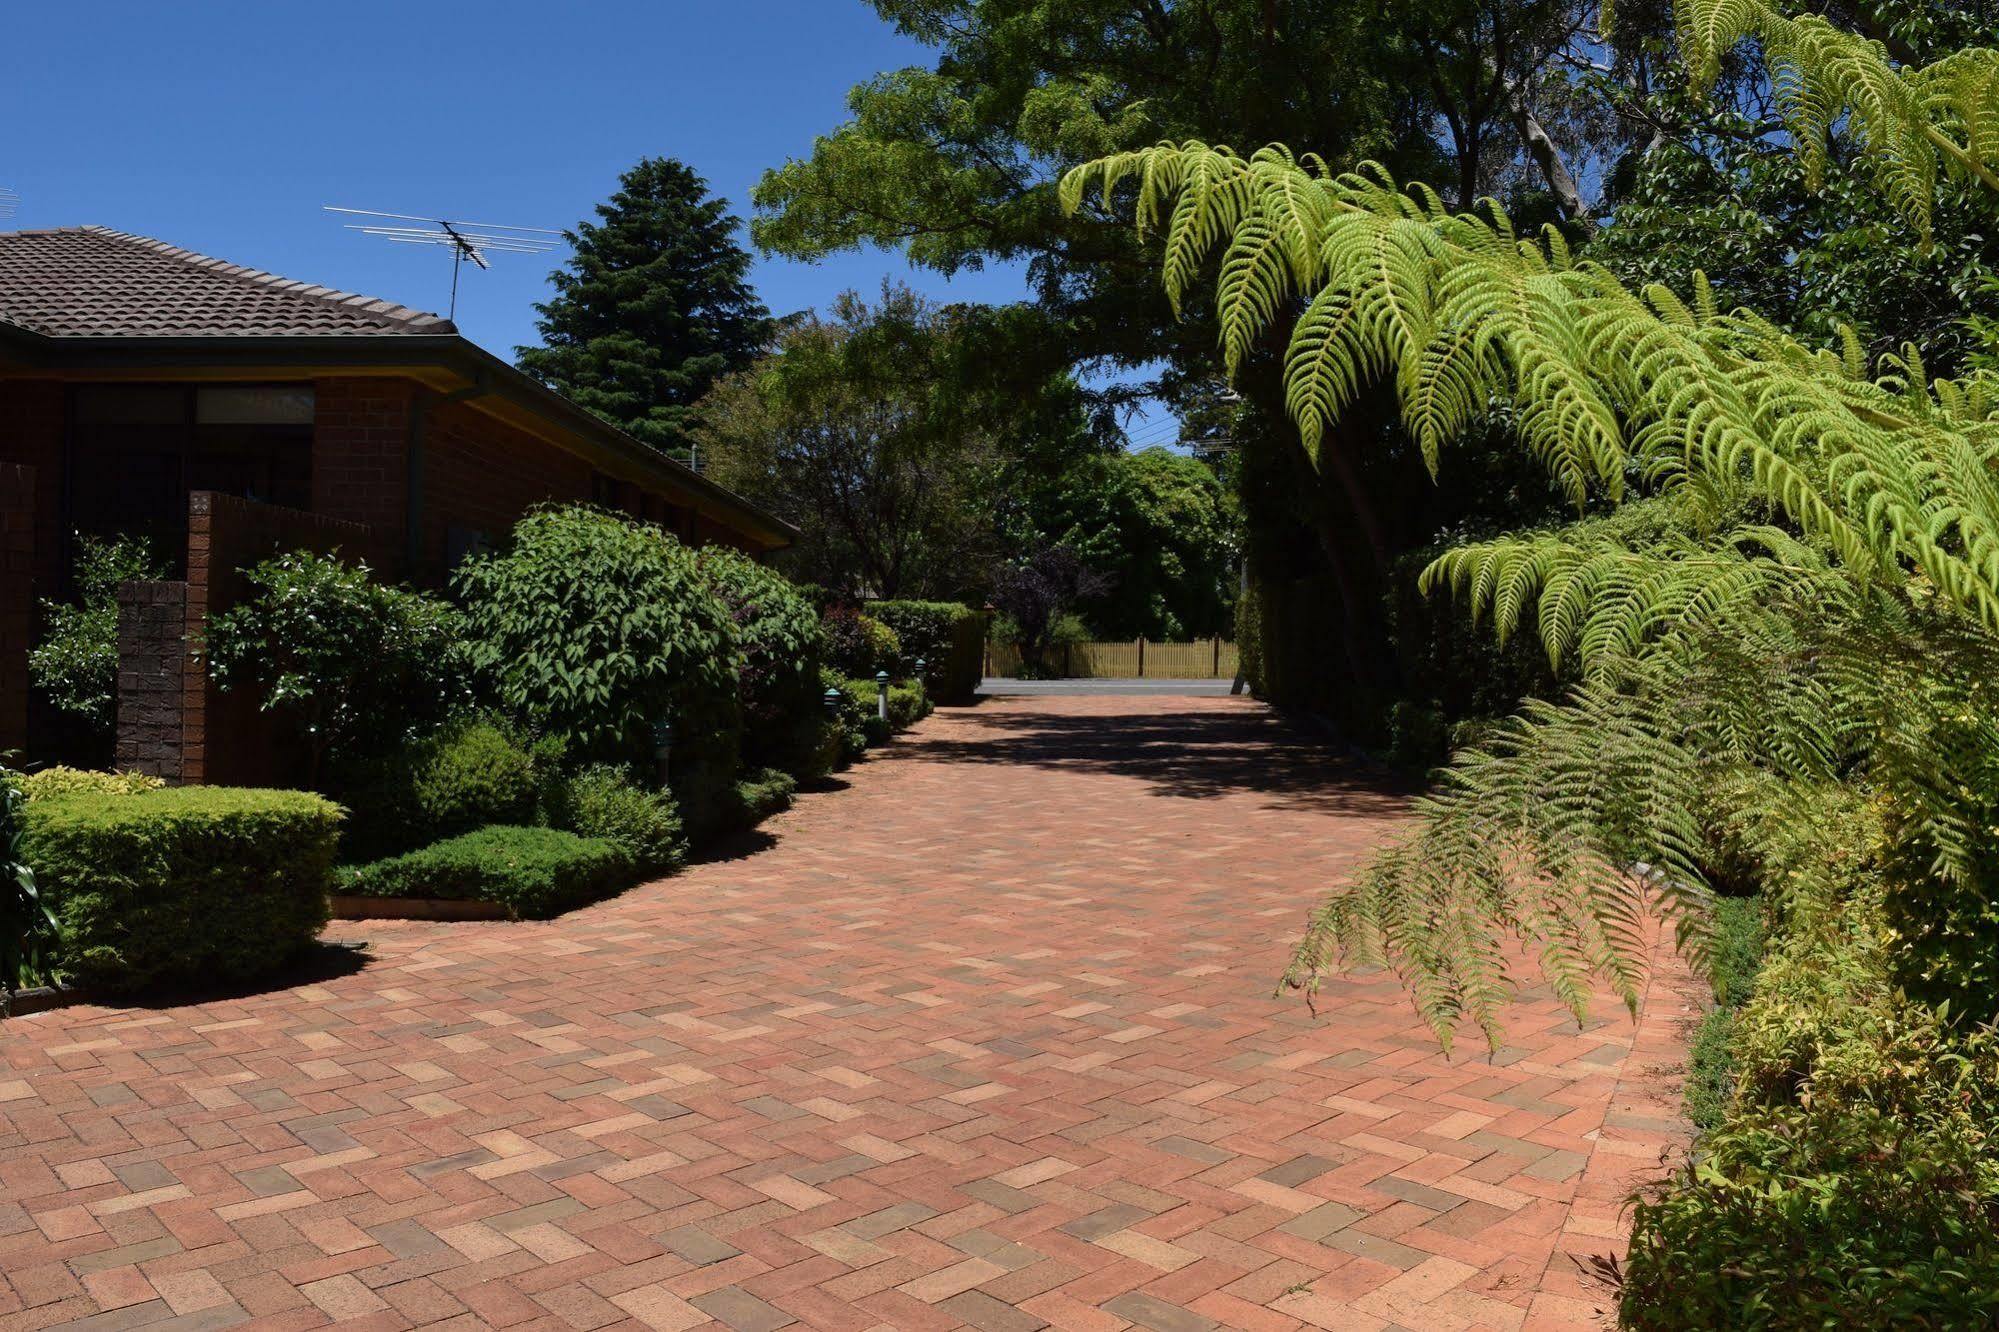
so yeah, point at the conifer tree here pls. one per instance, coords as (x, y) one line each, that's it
(652, 308)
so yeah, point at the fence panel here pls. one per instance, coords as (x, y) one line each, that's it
(1204, 659)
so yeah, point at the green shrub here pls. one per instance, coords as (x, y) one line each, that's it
(603, 802)
(946, 635)
(59, 781)
(191, 883)
(845, 738)
(858, 644)
(760, 794)
(466, 775)
(907, 705)
(355, 666)
(534, 872)
(782, 644)
(592, 628)
(76, 662)
(1711, 1061)
(1852, 1179)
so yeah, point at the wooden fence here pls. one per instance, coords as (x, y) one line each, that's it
(1205, 659)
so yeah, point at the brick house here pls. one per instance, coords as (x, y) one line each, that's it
(137, 378)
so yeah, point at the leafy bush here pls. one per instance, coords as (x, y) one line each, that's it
(355, 665)
(858, 644)
(76, 663)
(907, 703)
(947, 635)
(465, 775)
(592, 628)
(782, 644)
(1711, 1061)
(190, 883)
(1851, 1179)
(27, 925)
(603, 802)
(1856, 1181)
(759, 795)
(59, 781)
(846, 736)
(534, 872)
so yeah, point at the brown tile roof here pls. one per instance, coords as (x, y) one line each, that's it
(92, 282)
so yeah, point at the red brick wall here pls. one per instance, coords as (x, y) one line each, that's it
(18, 531)
(31, 434)
(360, 453)
(152, 679)
(482, 474)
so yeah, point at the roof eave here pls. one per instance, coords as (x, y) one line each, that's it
(385, 351)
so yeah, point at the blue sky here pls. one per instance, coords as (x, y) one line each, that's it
(224, 127)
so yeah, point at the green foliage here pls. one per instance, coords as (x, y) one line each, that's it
(28, 925)
(465, 775)
(535, 873)
(858, 644)
(888, 434)
(1738, 927)
(1855, 1179)
(591, 628)
(758, 795)
(783, 645)
(190, 884)
(1158, 527)
(947, 636)
(603, 802)
(653, 306)
(354, 665)
(908, 704)
(49, 783)
(76, 662)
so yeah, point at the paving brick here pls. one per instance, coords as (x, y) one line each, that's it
(986, 1038)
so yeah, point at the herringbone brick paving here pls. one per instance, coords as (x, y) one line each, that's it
(986, 1040)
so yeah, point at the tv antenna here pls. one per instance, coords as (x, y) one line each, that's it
(9, 203)
(467, 240)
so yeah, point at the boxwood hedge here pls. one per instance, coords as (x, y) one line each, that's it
(192, 883)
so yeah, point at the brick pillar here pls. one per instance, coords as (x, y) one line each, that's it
(152, 678)
(17, 601)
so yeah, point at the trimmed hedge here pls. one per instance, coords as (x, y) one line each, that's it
(948, 636)
(534, 872)
(908, 704)
(192, 883)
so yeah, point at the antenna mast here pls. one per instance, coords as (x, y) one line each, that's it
(467, 240)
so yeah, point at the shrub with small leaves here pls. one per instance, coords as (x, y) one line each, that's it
(27, 924)
(48, 783)
(534, 872)
(76, 663)
(465, 775)
(858, 644)
(602, 801)
(354, 665)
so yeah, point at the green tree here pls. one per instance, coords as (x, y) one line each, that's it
(956, 164)
(882, 431)
(1162, 530)
(653, 307)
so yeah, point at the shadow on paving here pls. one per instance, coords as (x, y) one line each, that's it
(1194, 753)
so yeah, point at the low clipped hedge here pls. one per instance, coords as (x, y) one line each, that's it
(469, 774)
(54, 783)
(186, 884)
(534, 872)
(759, 794)
(948, 636)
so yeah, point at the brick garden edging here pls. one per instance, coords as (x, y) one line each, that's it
(348, 906)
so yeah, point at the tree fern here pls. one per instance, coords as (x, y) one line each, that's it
(1805, 582)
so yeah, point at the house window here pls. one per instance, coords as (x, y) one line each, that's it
(137, 450)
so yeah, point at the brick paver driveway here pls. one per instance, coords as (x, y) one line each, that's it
(986, 1039)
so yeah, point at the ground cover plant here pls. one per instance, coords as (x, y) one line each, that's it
(534, 872)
